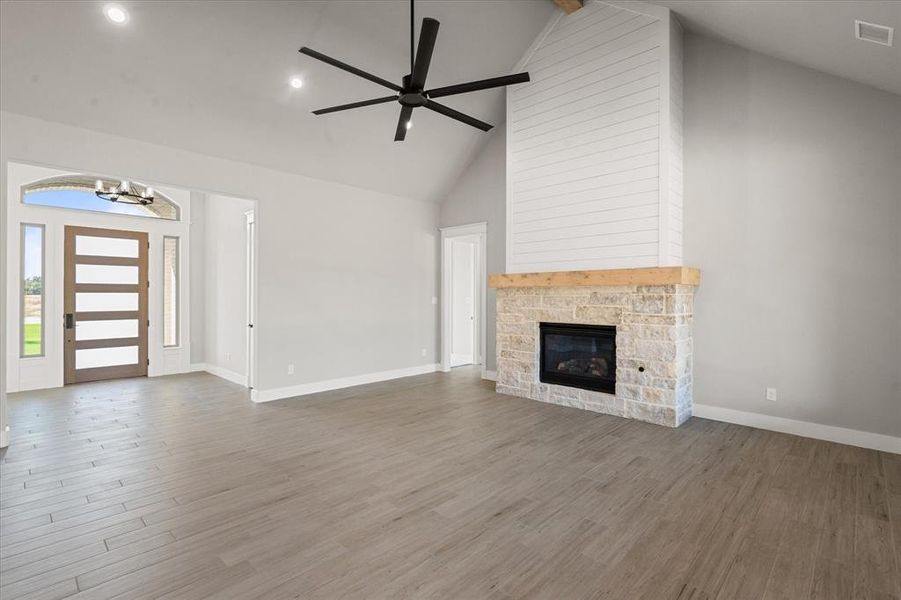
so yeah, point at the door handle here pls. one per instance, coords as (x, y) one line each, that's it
(70, 320)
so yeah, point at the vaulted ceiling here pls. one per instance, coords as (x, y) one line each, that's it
(818, 34)
(214, 78)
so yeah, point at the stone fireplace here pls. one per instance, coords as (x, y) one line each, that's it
(651, 310)
(596, 183)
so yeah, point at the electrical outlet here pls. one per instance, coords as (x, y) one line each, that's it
(425, 352)
(771, 394)
(291, 369)
(434, 299)
(228, 357)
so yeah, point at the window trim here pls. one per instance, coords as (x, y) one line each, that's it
(43, 228)
(177, 300)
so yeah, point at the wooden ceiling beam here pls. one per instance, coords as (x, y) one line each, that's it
(569, 6)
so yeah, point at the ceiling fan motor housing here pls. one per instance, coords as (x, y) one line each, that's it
(413, 99)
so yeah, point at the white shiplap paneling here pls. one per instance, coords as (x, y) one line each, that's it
(591, 175)
(674, 177)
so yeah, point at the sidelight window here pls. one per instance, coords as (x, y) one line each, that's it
(170, 291)
(32, 297)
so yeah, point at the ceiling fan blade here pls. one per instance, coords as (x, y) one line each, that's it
(427, 36)
(331, 109)
(474, 86)
(346, 67)
(455, 114)
(406, 113)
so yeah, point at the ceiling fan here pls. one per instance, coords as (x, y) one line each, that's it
(412, 93)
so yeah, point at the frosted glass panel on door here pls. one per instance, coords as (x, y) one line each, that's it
(106, 274)
(106, 357)
(106, 246)
(101, 330)
(93, 301)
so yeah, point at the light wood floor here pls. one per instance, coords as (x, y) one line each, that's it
(425, 487)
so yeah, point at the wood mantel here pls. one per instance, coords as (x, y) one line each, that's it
(569, 6)
(646, 276)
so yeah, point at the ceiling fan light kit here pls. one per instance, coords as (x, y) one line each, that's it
(412, 93)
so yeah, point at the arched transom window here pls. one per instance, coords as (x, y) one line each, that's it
(77, 192)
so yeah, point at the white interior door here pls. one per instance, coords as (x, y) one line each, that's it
(463, 297)
(474, 278)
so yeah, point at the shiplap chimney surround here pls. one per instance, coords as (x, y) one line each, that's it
(594, 210)
(594, 143)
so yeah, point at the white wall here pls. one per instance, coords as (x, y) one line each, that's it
(345, 277)
(479, 196)
(594, 144)
(225, 283)
(38, 372)
(793, 214)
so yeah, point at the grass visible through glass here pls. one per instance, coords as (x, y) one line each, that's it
(32, 339)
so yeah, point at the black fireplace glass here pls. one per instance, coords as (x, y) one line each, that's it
(580, 356)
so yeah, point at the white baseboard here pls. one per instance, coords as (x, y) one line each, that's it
(841, 435)
(220, 372)
(489, 375)
(304, 389)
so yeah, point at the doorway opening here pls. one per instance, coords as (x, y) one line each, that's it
(463, 277)
(250, 288)
(224, 268)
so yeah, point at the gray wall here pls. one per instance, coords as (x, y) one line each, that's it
(793, 213)
(225, 282)
(4, 422)
(346, 275)
(480, 195)
(197, 267)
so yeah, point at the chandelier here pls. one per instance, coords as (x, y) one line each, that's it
(124, 193)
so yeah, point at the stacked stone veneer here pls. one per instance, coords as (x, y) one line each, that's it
(653, 332)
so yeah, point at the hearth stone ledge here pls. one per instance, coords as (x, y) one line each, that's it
(653, 331)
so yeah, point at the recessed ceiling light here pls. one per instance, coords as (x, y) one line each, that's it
(116, 14)
(296, 83)
(409, 124)
(871, 32)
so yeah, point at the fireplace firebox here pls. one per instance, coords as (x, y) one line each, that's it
(580, 356)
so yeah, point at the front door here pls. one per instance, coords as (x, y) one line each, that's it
(105, 304)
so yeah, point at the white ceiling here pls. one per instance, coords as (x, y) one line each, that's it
(212, 77)
(818, 34)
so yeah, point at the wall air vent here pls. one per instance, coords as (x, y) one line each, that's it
(870, 32)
